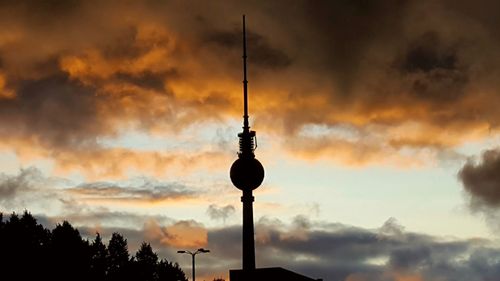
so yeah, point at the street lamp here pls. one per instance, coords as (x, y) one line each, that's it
(200, 250)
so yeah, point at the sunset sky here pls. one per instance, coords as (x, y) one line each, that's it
(378, 124)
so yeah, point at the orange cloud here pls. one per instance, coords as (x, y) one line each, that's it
(115, 163)
(183, 234)
(5, 93)
(407, 277)
(98, 73)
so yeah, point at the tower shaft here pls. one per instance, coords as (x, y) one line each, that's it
(248, 231)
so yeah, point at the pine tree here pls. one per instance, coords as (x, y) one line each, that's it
(98, 259)
(70, 253)
(146, 263)
(170, 271)
(118, 257)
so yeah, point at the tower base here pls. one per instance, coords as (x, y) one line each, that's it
(267, 274)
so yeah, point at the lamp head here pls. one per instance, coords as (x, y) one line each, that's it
(181, 252)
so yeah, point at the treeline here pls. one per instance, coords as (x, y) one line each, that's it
(28, 251)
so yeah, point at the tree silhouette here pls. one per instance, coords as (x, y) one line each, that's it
(99, 259)
(146, 263)
(31, 252)
(70, 253)
(23, 243)
(118, 257)
(35, 239)
(170, 271)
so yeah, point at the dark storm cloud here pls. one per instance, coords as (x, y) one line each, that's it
(114, 65)
(123, 45)
(54, 111)
(482, 179)
(426, 54)
(362, 38)
(259, 49)
(433, 69)
(146, 80)
(344, 30)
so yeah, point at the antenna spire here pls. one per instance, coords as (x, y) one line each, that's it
(245, 81)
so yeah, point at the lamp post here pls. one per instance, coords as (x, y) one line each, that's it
(200, 250)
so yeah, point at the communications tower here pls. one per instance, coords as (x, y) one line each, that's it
(247, 173)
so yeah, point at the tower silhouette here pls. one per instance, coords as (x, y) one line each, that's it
(247, 173)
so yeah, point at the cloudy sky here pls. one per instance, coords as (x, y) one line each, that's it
(378, 125)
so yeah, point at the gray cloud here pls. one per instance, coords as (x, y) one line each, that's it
(103, 218)
(32, 190)
(10, 186)
(482, 179)
(141, 189)
(339, 252)
(220, 213)
(391, 227)
(26, 189)
(334, 252)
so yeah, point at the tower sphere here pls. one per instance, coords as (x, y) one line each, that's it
(247, 173)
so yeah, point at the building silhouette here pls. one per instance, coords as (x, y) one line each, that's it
(247, 174)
